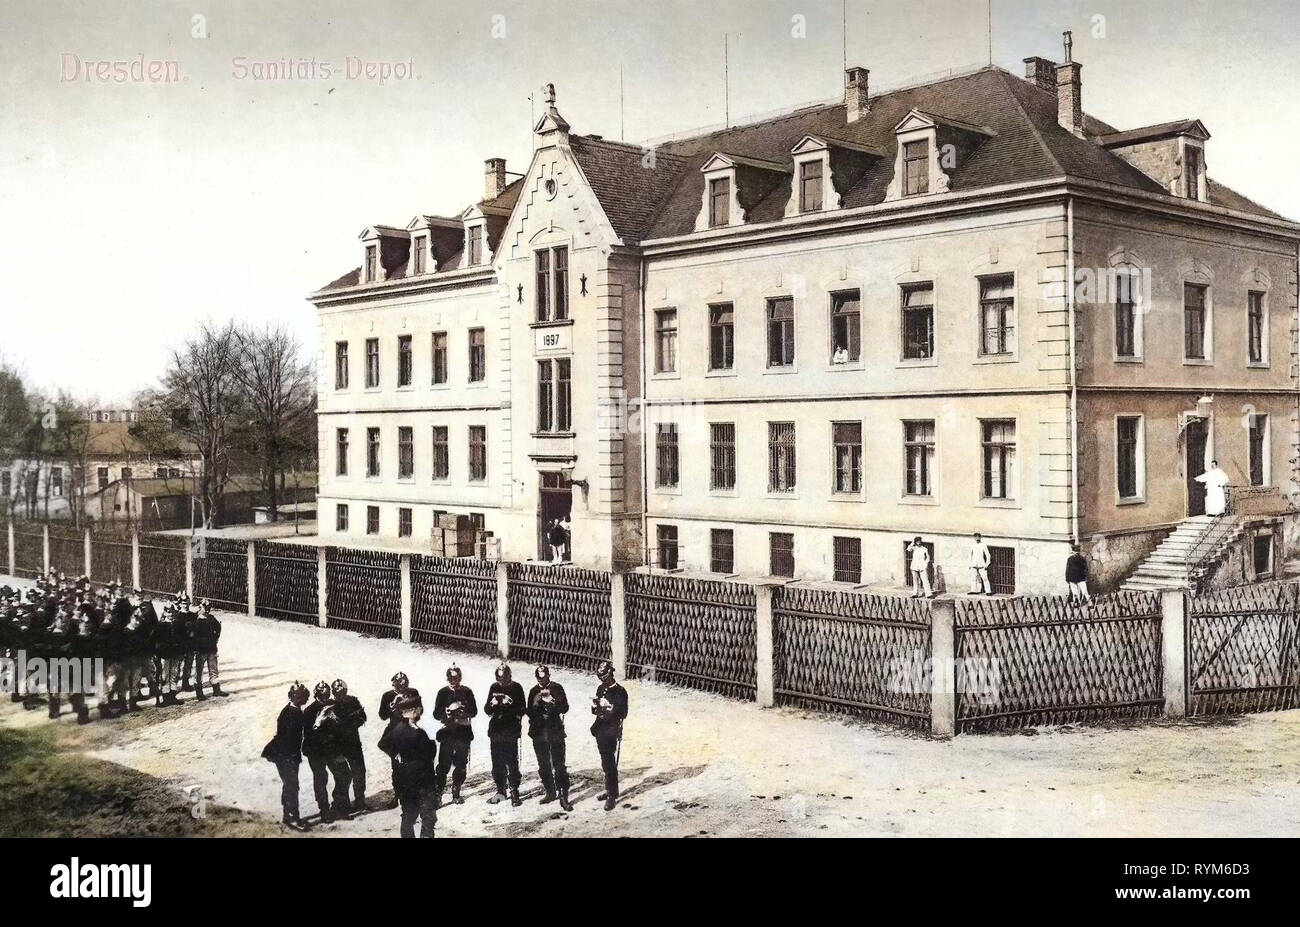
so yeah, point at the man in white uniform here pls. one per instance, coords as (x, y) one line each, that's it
(919, 564)
(979, 567)
(1216, 483)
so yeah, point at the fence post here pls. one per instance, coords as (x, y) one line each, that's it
(322, 589)
(766, 663)
(45, 542)
(85, 550)
(13, 564)
(135, 559)
(1173, 637)
(404, 566)
(618, 623)
(503, 610)
(189, 566)
(943, 654)
(252, 580)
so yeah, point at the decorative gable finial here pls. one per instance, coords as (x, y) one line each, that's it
(550, 95)
(551, 123)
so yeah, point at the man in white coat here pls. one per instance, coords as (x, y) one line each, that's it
(979, 567)
(919, 564)
(1216, 483)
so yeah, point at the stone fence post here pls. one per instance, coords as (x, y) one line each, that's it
(252, 579)
(618, 623)
(404, 567)
(9, 528)
(765, 650)
(322, 589)
(135, 559)
(86, 552)
(503, 610)
(45, 542)
(1173, 637)
(943, 654)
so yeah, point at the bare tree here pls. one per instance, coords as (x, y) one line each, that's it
(15, 417)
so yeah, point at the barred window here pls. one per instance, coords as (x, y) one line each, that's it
(1194, 305)
(477, 355)
(810, 186)
(1128, 436)
(405, 452)
(847, 440)
(666, 546)
(722, 337)
(372, 363)
(666, 460)
(780, 548)
(997, 315)
(372, 519)
(439, 347)
(722, 550)
(340, 517)
(372, 452)
(719, 201)
(1258, 444)
(403, 522)
(780, 332)
(846, 327)
(404, 361)
(916, 167)
(665, 341)
(441, 453)
(918, 449)
(341, 365)
(1255, 326)
(477, 453)
(998, 438)
(848, 559)
(781, 457)
(722, 455)
(340, 452)
(918, 321)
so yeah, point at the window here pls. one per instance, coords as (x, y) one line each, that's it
(372, 519)
(1194, 304)
(477, 453)
(998, 440)
(780, 332)
(404, 361)
(543, 259)
(847, 440)
(1261, 554)
(372, 363)
(340, 517)
(666, 546)
(340, 365)
(916, 167)
(1002, 570)
(554, 395)
(6, 484)
(722, 455)
(722, 550)
(403, 522)
(848, 559)
(1255, 327)
(1128, 456)
(160, 473)
(1126, 317)
(918, 321)
(545, 397)
(405, 452)
(846, 327)
(719, 202)
(666, 460)
(997, 315)
(102, 475)
(722, 337)
(1258, 442)
(1192, 163)
(477, 355)
(780, 553)
(372, 263)
(552, 284)
(441, 453)
(561, 283)
(810, 186)
(475, 245)
(126, 474)
(563, 395)
(372, 452)
(78, 479)
(918, 449)
(780, 456)
(439, 358)
(56, 481)
(341, 451)
(419, 248)
(665, 340)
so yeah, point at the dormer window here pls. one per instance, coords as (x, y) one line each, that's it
(1192, 171)
(810, 186)
(916, 167)
(474, 245)
(372, 264)
(719, 202)
(419, 254)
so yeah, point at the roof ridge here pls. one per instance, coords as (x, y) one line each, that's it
(632, 146)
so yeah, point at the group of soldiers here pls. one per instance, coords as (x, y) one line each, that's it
(327, 733)
(143, 654)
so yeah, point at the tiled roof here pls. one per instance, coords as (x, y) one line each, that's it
(628, 190)
(1151, 133)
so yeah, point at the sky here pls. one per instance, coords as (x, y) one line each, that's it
(131, 211)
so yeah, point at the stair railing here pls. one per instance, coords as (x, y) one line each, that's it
(1242, 502)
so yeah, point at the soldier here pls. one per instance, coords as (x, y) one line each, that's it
(137, 659)
(547, 705)
(285, 751)
(505, 707)
(58, 644)
(84, 645)
(415, 776)
(185, 616)
(108, 646)
(205, 632)
(610, 708)
(401, 689)
(323, 747)
(170, 647)
(454, 707)
(350, 714)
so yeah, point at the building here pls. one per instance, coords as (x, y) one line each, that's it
(787, 348)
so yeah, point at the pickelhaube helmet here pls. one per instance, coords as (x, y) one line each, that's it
(453, 673)
(297, 691)
(400, 681)
(605, 670)
(542, 671)
(322, 690)
(338, 687)
(502, 672)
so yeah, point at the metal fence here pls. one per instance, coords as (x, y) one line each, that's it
(1040, 660)
(4, 545)
(286, 580)
(162, 563)
(1242, 649)
(110, 559)
(454, 602)
(67, 551)
(559, 614)
(692, 632)
(363, 591)
(854, 653)
(29, 551)
(221, 573)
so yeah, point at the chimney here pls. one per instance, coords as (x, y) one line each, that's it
(1069, 92)
(494, 178)
(1042, 72)
(856, 104)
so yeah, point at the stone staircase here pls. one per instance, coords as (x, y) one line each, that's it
(1167, 566)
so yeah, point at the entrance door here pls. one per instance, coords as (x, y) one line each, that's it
(1196, 435)
(555, 504)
